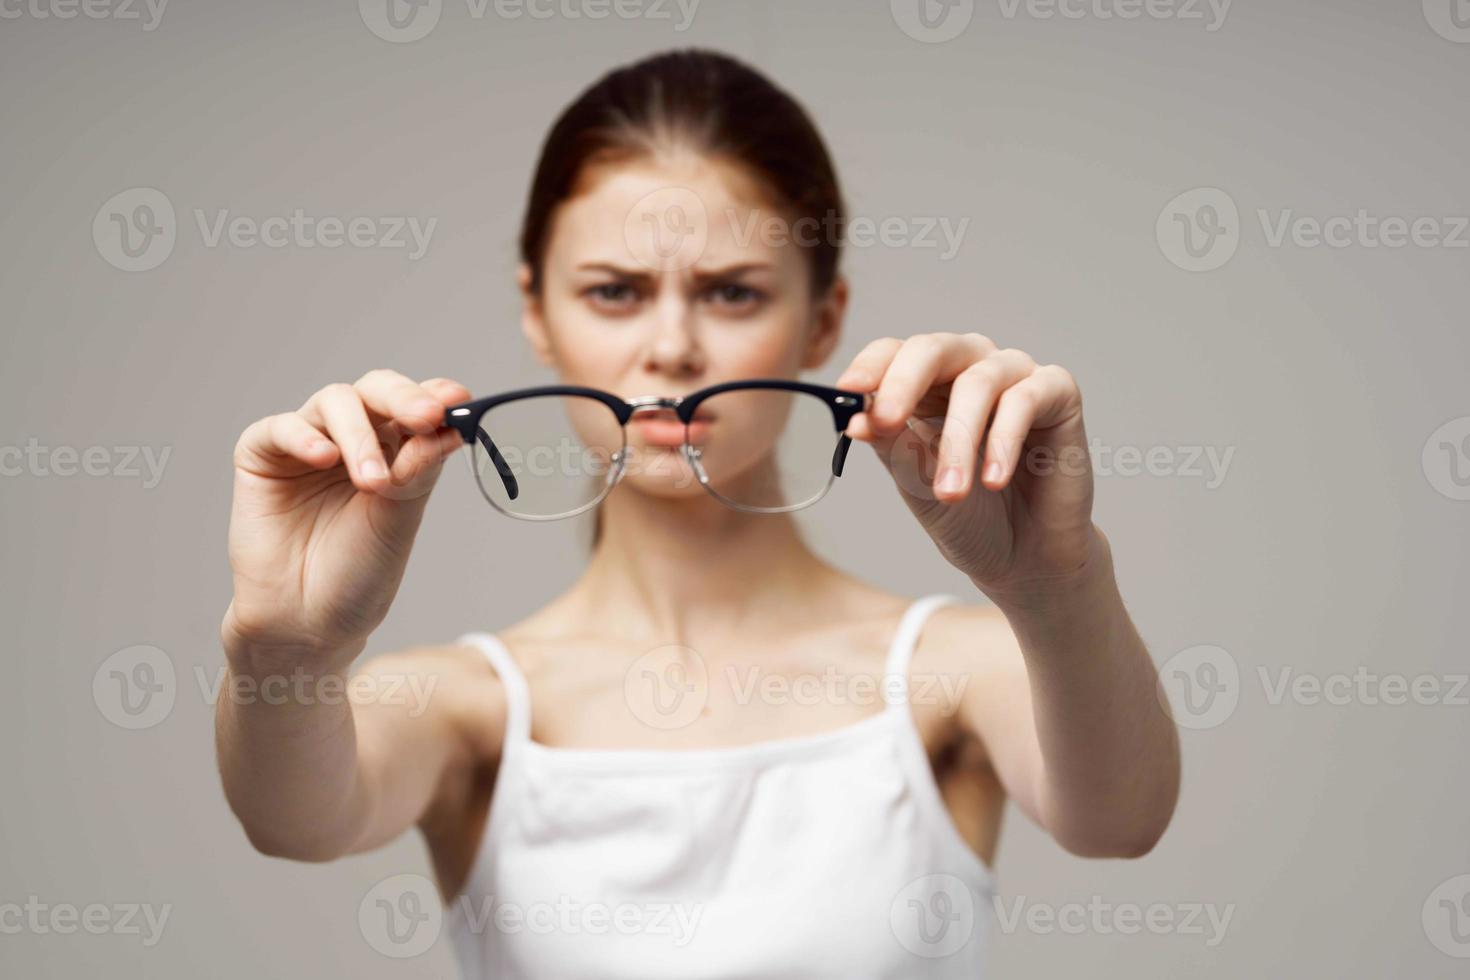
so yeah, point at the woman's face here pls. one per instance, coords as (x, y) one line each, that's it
(663, 277)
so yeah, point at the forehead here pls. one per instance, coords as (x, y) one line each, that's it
(716, 210)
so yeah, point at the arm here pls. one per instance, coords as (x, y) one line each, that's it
(357, 762)
(1069, 715)
(989, 452)
(327, 503)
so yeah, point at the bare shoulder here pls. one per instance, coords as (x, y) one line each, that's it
(969, 639)
(451, 684)
(966, 629)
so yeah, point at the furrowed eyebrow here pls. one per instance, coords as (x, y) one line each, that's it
(614, 270)
(701, 275)
(729, 272)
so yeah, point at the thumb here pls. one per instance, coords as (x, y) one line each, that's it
(911, 456)
(417, 464)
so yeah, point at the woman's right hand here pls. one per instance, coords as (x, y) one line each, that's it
(327, 502)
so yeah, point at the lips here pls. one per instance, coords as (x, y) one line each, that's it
(663, 428)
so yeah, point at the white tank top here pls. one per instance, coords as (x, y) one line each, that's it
(820, 856)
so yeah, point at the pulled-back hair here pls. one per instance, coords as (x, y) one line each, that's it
(706, 102)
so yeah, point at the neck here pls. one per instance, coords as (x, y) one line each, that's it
(663, 565)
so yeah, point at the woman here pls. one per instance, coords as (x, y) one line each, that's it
(784, 836)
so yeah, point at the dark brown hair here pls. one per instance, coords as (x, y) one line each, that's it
(709, 103)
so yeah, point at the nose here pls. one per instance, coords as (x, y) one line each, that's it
(674, 349)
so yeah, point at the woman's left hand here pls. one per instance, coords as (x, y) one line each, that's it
(1017, 520)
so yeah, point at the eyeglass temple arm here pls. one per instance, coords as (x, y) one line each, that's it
(839, 455)
(844, 441)
(512, 488)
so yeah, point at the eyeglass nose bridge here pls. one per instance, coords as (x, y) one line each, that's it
(645, 403)
(651, 403)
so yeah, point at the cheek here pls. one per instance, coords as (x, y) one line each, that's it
(761, 347)
(585, 345)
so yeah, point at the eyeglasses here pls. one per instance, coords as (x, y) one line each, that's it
(767, 446)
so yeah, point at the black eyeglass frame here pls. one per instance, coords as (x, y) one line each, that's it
(465, 418)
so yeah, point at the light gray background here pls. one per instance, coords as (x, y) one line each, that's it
(1326, 548)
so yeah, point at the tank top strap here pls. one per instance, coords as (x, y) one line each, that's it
(517, 694)
(905, 639)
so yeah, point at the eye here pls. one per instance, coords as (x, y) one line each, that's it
(612, 296)
(734, 296)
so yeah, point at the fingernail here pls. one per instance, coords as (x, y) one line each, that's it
(949, 480)
(374, 469)
(993, 471)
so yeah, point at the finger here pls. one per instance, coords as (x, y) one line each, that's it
(274, 445)
(923, 360)
(448, 392)
(1035, 402)
(419, 462)
(345, 418)
(866, 369)
(399, 399)
(972, 398)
